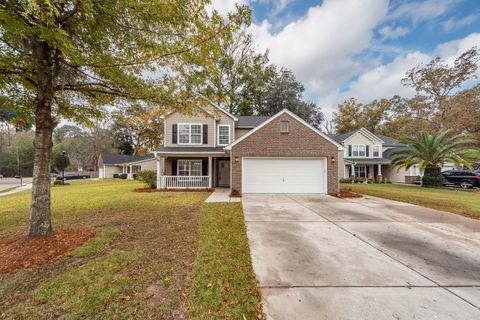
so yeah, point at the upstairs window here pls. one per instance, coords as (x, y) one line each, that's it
(355, 150)
(195, 133)
(284, 126)
(223, 134)
(359, 150)
(376, 151)
(189, 133)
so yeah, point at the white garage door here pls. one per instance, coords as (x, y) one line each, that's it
(281, 175)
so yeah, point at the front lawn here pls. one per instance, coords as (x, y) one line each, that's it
(138, 265)
(456, 201)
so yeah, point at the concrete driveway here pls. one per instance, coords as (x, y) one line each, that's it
(319, 257)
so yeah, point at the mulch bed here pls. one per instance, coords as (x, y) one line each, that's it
(172, 190)
(346, 194)
(18, 252)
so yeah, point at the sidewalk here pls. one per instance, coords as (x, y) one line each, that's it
(17, 190)
(222, 195)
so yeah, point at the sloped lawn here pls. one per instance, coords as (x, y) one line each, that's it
(460, 202)
(137, 266)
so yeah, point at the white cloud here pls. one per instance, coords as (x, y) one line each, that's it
(383, 81)
(453, 23)
(449, 51)
(389, 32)
(419, 11)
(319, 47)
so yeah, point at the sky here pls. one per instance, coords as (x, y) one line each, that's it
(359, 48)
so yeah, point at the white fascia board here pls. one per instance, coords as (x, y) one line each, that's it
(371, 135)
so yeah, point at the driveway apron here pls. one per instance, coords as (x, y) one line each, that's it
(319, 257)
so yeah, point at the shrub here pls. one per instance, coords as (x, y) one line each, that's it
(234, 193)
(59, 183)
(346, 180)
(115, 176)
(135, 176)
(149, 178)
(432, 177)
(123, 176)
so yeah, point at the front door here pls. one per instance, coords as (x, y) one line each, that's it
(223, 173)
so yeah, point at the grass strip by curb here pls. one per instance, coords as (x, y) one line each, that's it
(455, 201)
(224, 285)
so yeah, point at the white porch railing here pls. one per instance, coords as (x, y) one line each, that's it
(184, 182)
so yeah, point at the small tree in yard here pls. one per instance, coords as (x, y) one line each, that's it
(61, 163)
(431, 151)
(149, 178)
(68, 59)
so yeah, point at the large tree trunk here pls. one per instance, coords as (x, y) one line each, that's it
(40, 222)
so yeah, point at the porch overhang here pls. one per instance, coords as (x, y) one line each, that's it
(363, 161)
(190, 152)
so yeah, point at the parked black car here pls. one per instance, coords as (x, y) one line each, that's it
(73, 176)
(463, 178)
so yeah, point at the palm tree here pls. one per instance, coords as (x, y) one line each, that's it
(431, 151)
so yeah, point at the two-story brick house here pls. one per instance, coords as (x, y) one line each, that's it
(279, 154)
(368, 156)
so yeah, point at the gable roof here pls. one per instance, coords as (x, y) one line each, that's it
(340, 138)
(293, 115)
(112, 159)
(250, 121)
(226, 112)
(389, 140)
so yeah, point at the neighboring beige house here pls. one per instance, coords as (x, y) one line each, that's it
(110, 164)
(368, 156)
(279, 154)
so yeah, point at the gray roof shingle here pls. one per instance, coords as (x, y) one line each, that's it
(388, 153)
(250, 121)
(108, 158)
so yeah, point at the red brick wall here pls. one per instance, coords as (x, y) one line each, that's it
(301, 141)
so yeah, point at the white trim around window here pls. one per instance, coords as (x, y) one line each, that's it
(360, 171)
(223, 136)
(376, 151)
(189, 133)
(359, 151)
(188, 168)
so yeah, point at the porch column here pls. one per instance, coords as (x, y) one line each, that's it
(159, 173)
(210, 172)
(353, 170)
(379, 172)
(130, 175)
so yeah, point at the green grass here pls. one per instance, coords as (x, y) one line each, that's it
(456, 201)
(82, 292)
(154, 256)
(103, 237)
(138, 265)
(224, 285)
